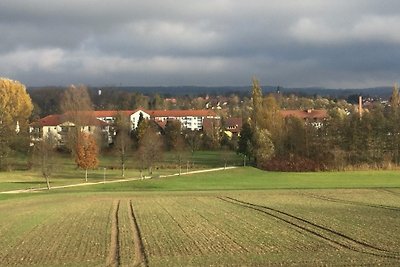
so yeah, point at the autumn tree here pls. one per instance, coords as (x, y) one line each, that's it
(86, 156)
(263, 148)
(15, 110)
(123, 141)
(394, 119)
(255, 138)
(273, 121)
(257, 101)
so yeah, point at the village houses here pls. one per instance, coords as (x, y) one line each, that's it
(101, 121)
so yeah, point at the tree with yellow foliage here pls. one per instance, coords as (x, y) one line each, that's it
(15, 110)
(86, 152)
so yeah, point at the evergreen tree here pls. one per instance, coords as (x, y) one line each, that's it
(245, 146)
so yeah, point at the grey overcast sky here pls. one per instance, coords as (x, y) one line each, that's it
(328, 43)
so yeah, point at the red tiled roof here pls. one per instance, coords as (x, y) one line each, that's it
(233, 122)
(182, 113)
(54, 120)
(113, 113)
(306, 114)
(50, 120)
(234, 125)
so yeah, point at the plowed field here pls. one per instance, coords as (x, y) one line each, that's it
(234, 228)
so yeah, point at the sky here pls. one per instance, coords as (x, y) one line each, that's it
(307, 43)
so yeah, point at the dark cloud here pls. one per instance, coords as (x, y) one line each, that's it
(212, 42)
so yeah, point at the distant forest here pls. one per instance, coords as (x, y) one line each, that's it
(169, 91)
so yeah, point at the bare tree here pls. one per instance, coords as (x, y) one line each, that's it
(77, 109)
(44, 156)
(150, 149)
(123, 141)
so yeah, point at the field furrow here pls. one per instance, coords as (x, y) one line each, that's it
(73, 238)
(320, 227)
(356, 203)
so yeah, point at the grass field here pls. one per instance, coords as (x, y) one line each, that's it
(239, 217)
(65, 171)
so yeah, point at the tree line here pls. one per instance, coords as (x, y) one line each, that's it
(348, 138)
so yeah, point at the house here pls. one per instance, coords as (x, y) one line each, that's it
(314, 116)
(102, 120)
(59, 127)
(109, 116)
(233, 126)
(190, 119)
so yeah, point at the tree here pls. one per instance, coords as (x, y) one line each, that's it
(44, 153)
(77, 108)
(394, 119)
(142, 126)
(150, 150)
(263, 147)
(5, 148)
(245, 146)
(15, 110)
(193, 140)
(295, 142)
(86, 152)
(172, 134)
(273, 121)
(256, 115)
(123, 141)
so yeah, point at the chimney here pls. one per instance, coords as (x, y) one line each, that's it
(360, 110)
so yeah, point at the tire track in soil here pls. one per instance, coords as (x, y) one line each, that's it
(114, 256)
(389, 191)
(356, 203)
(140, 254)
(316, 230)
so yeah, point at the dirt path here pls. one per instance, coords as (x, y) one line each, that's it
(113, 181)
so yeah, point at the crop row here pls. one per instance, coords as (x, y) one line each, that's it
(77, 234)
(206, 230)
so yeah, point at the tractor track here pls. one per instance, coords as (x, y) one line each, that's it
(390, 191)
(321, 232)
(140, 254)
(113, 259)
(356, 203)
